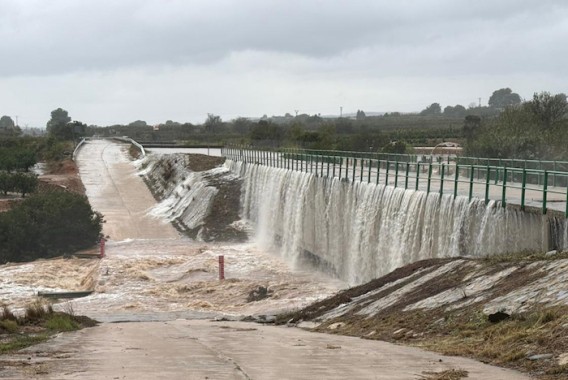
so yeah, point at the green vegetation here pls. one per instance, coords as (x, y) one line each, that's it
(536, 129)
(62, 128)
(48, 225)
(16, 158)
(505, 128)
(37, 324)
(23, 183)
(61, 322)
(21, 341)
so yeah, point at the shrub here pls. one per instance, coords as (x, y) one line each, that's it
(37, 311)
(9, 325)
(48, 225)
(61, 322)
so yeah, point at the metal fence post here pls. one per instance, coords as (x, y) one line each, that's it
(471, 177)
(544, 191)
(456, 180)
(442, 180)
(487, 181)
(504, 192)
(429, 177)
(406, 175)
(417, 175)
(354, 167)
(396, 174)
(523, 189)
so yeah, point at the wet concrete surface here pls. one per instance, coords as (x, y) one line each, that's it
(196, 349)
(114, 189)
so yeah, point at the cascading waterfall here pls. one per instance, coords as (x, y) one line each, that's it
(363, 231)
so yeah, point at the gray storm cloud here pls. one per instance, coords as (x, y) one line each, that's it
(50, 37)
(183, 59)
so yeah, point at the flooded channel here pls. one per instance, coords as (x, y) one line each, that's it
(150, 269)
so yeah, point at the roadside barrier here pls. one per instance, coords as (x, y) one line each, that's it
(131, 141)
(76, 150)
(507, 184)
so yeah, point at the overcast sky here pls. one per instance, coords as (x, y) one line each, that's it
(117, 61)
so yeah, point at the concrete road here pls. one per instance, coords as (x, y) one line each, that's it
(200, 349)
(115, 190)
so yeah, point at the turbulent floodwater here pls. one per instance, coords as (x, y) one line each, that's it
(164, 273)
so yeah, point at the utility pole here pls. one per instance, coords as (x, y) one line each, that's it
(340, 111)
(296, 112)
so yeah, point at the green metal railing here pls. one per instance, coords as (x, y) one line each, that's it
(551, 166)
(523, 186)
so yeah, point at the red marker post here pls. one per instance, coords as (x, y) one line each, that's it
(221, 267)
(102, 245)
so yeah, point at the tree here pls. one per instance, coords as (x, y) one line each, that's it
(6, 122)
(212, 123)
(343, 126)
(471, 126)
(267, 131)
(6, 182)
(398, 147)
(327, 137)
(7, 127)
(58, 126)
(432, 110)
(360, 115)
(138, 124)
(25, 183)
(47, 225)
(504, 97)
(457, 111)
(296, 131)
(548, 109)
(242, 125)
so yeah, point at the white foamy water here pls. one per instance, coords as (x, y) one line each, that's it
(142, 276)
(19, 283)
(186, 196)
(364, 231)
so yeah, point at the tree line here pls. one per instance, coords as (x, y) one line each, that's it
(500, 128)
(533, 129)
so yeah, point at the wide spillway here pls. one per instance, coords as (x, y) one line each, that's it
(361, 231)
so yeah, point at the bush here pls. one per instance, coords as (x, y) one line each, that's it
(48, 225)
(9, 325)
(61, 322)
(16, 158)
(37, 311)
